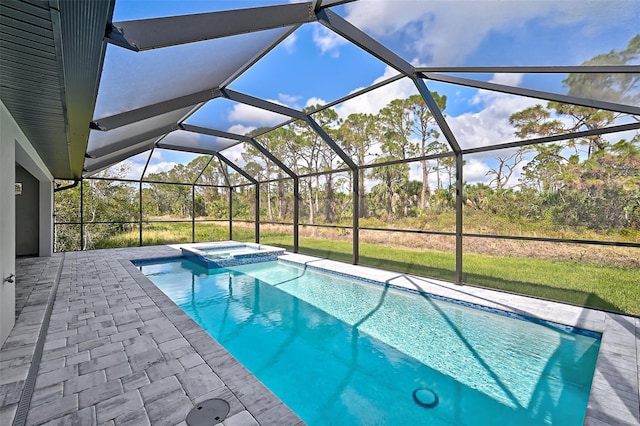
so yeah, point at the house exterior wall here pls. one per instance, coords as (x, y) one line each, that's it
(7, 222)
(16, 148)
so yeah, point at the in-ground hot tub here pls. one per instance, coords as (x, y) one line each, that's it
(230, 253)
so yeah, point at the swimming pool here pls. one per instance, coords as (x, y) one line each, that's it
(341, 351)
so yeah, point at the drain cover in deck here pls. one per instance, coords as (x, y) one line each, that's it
(208, 413)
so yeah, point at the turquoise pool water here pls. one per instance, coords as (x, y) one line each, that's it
(225, 253)
(339, 351)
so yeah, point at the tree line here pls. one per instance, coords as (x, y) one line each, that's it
(583, 183)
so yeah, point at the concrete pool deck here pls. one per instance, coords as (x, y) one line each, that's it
(119, 352)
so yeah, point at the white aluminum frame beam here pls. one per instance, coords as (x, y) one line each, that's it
(257, 145)
(239, 138)
(530, 93)
(342, 27)
(437, 114)
(262, 104)
(554, 138)
(236, 168)
(174, 147)
(146, 34)
(142, 113)
(107, 162)
(546, 69)
(124, 143)
(213, 132)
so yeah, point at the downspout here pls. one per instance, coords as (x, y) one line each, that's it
(64, 188)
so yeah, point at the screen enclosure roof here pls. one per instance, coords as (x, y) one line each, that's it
(93, 84)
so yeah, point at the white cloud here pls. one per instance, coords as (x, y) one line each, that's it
(134, 170)
(327, 41)
(427, 25)
(289, 100)
(162, 166)
(240, 129)
(490, 125)
(372, 102)
(126, 169)
(289, 43)
(314, 101)
(507, 79)
(246, 114)
(235, 154)
(475, 170)
(446, 33)
(157, 155)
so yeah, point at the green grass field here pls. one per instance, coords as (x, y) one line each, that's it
(599, 286)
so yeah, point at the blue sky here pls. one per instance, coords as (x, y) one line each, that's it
(314, 65)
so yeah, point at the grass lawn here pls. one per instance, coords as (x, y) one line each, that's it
(174, 232)
(603, 287)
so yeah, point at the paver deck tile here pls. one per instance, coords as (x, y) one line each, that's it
(116, 406)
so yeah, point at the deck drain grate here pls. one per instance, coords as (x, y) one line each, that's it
(208, 413)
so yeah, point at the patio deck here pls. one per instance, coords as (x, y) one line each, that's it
(119, 352)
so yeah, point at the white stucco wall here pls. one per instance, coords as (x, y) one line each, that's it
(46, 218)
(15, 147)
(7, 223)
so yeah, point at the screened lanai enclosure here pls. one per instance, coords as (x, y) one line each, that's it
(486, 143)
